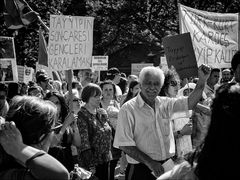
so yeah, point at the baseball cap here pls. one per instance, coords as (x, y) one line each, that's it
(113, 71)
(42, 77)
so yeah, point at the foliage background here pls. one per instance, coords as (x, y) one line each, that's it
(117, 23)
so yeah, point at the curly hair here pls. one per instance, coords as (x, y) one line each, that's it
(169, 75)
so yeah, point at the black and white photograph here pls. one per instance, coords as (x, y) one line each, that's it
(119, 89)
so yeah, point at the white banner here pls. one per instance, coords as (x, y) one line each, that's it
(70, 42)
(214, 35)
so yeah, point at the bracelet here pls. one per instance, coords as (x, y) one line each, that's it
(38, 154)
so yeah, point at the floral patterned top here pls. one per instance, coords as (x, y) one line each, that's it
(96, 136)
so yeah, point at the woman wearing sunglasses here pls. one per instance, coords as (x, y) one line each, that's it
(180, 126)
(25, 138)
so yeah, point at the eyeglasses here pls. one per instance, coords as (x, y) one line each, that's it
(173, 83)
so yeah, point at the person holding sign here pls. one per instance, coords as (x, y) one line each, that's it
(143, 123)
(222, 139)
(180, 126)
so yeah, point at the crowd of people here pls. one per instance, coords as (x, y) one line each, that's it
(153, 126)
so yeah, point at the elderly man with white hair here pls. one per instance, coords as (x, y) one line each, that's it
(143, 131)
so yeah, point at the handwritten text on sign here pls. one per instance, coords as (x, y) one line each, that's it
(214, 35)
(179, 53)
(70, 42)
(100, 63)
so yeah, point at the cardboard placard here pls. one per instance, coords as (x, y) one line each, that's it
(180, 54)
(70, 42)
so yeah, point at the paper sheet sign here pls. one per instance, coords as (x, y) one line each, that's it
(180, 54)
(136, 68)
(100, 63)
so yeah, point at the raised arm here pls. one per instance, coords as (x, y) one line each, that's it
(40, 164)
(195, 96)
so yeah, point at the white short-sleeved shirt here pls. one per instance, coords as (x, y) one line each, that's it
(138, 125)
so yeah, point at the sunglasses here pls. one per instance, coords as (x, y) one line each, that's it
(77, 100)
(56, 130)
(173, 83)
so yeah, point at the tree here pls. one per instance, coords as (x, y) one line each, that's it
(116, 24)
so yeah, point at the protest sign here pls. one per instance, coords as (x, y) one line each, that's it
(179, 53)
(137, 67)
(70, 42)
(7, 49)
(214, 35)
(20, 70)
(100, 63)
(8, 65)
(163, 63)
(25, 74)
(28, 74)
(8, 70)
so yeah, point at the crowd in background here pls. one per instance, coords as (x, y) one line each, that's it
(84, 133)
